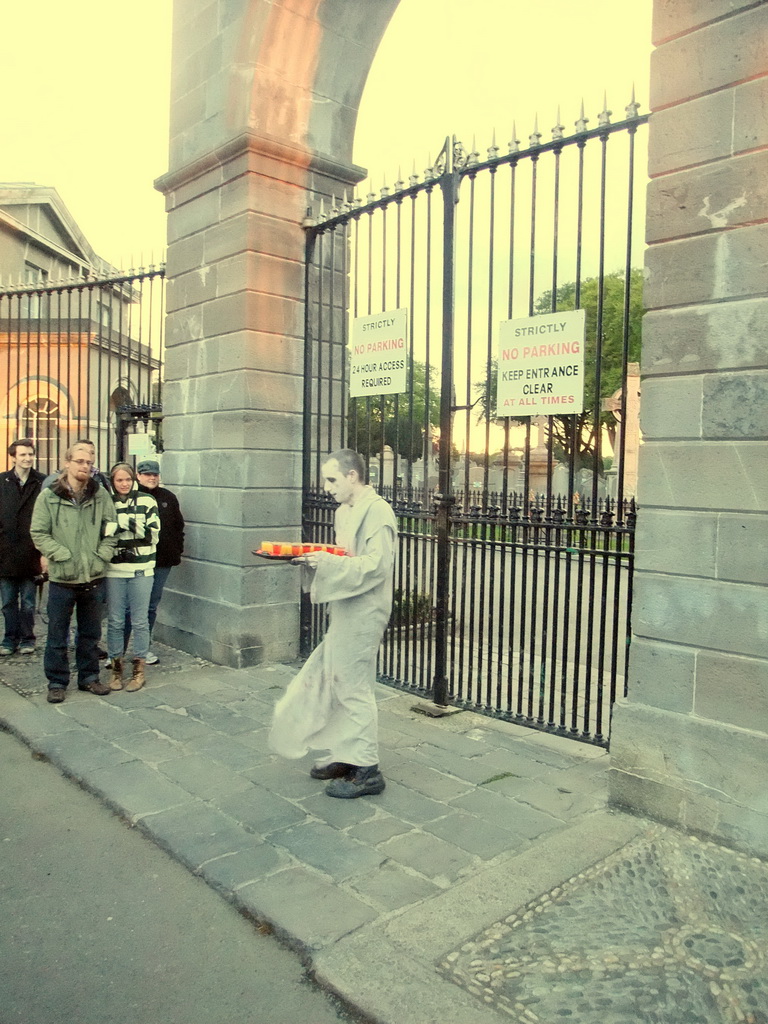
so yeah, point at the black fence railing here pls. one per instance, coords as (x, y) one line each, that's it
(78, 359)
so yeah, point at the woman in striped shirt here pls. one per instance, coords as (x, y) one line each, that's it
(130, 573)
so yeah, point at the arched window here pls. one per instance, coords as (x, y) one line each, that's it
(39, 419)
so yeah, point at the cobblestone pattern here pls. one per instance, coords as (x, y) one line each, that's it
(669, 930)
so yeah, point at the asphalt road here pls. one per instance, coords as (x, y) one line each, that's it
(99, 926)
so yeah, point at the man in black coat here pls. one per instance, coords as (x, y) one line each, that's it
(170, 544)
(20, 561)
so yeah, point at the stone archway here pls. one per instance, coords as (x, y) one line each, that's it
(263, 110)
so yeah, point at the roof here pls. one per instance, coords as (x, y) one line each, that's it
(54, 229)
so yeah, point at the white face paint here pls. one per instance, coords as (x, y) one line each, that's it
(340, 486)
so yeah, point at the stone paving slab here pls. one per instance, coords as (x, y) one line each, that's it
(481, 822)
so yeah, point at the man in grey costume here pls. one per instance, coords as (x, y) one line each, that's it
(330, 705)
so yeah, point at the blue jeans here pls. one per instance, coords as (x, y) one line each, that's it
(160, 579)
(18, 596)
(88, 604)
(128, 596)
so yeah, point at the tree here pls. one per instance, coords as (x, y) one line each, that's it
(575, 436)
(403, 415)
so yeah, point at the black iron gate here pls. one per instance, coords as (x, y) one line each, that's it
(513, 584)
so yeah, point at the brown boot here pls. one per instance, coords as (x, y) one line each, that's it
(116, 679)
(137, 679)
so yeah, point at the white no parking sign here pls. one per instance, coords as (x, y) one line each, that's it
(378, 356)
(541, 365)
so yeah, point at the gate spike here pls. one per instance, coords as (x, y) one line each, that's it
(581, 124)
(604, 117)
(633, 108)
(384, 188)
(493, 149)
(399, 184)
(413, 177)
(535, 137)
(473, 155)
(514, 142)
(557, 130)
(429, 171)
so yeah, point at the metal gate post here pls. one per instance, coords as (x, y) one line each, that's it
(305, 609)
(449, 186)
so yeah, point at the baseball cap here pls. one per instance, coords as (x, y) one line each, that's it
(148, 466)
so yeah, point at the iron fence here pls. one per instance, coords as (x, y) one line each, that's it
(513, 584)
(83, 358)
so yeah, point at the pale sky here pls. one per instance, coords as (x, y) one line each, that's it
(86, 86)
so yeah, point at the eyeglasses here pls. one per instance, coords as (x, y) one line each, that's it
(82, 462)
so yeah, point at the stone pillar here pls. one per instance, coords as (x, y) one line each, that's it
(689, 745)
(263, 108)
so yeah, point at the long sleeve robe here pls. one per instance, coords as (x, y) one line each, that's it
(330, 705)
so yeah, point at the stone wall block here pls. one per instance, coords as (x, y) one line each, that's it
(671, 407)
(691, 773)
(672, 477)
(233, 545)
(258, 272)
(240, 426)
(732, 689)
(709, 128)
(697, 612)
(736, 405)
(742, 549)
(176, 362)
(674, 17)
(725, 194)
(182, 326)
(249, 391)
(282, 198)
(186, 109)
(254, 232)
(231, 635)
(729, 336)
(718, 55)
(192, 288)
(677, 542)
(256, 584)
(750, 121)
(270, 313)
(195, 216)
(254, 350)
(184, 255)
(662, 675)
(724, 265)
(691, 134)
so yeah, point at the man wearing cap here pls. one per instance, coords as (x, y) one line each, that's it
(170, 546)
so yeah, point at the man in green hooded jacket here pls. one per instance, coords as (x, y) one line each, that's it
(74, 526)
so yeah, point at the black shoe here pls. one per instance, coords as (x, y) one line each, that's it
(56, 694)
(95, 687)
(334, 770)
(366, 781)
(101, 653)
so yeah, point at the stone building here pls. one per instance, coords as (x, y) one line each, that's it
(72, 345)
